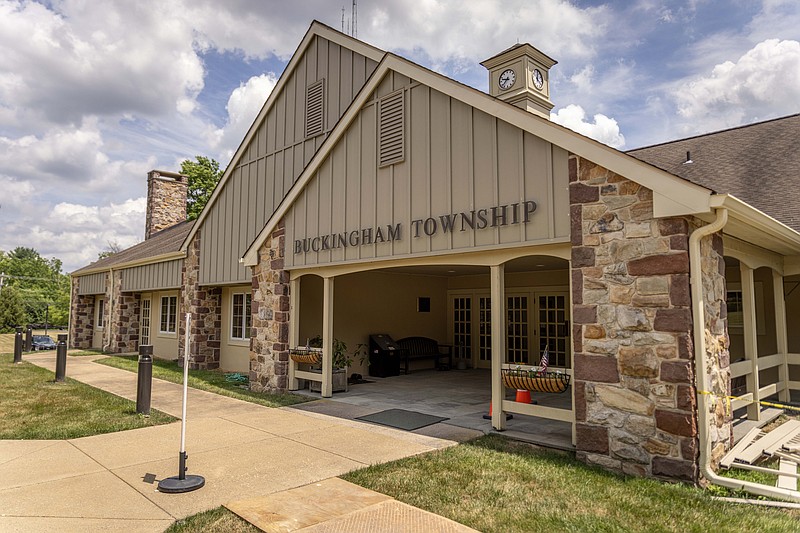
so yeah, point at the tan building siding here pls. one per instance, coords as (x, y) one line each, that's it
(92, 284)
(276, 156)
(459, 160)
(164, 275)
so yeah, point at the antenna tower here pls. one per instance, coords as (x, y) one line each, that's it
(350, 26)
(355, 19)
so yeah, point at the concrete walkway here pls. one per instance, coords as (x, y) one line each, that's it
(244, 451)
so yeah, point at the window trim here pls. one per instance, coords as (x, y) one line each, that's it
(170, 307)
(246, 318)
(100, 321)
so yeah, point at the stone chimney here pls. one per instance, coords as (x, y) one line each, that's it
(521, 76)
(166, 200)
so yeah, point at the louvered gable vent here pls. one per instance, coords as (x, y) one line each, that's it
(315, 108)
(391, 129)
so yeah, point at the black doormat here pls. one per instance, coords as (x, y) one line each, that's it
(402, 419)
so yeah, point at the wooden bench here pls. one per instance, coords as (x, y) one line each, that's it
(425, 348)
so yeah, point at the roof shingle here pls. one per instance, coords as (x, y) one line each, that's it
(163, 242)
(757, 163)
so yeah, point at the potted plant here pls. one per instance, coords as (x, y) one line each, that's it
(342, 359)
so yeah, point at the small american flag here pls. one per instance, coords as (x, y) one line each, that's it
(545, 360)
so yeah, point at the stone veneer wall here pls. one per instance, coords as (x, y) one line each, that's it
(205, 306)
(269, 343)
(81, 323)
(166, 201)
(717, 353)
(124, 319)
(634, 385)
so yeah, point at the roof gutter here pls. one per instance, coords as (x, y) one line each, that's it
(757, 218)
(701, 377)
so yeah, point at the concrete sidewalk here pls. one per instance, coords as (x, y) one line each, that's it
(244, 451)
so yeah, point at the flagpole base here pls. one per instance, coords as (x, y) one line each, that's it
(175, 485)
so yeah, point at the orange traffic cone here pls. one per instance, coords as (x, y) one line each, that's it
(509, 416)
(523, 396)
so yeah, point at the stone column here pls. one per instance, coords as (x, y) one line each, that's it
(633, 373)
(269, 345)
(718, 359)
(204, 304)
(81, 323)
(123, 322)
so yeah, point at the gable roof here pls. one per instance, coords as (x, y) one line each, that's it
(672, 195)
(161, 246)
(754, 163)
(316, 29)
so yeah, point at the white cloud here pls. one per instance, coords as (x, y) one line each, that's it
(74, 233)
(763, 83)
(127, 57)
(69, 157)
(439, 27)
(243, 105)
(603, 129)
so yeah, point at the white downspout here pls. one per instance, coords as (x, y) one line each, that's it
(701, 376)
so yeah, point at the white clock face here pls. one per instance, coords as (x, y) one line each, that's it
(538, 79)
(507, 79)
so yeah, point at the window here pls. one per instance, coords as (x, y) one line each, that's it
(735, 309)
(101, 312)
(169, 311)
(241, 318)
(734, 300)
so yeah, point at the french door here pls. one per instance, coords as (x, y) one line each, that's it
(535, 320)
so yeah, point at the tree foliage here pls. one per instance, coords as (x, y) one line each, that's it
(12, 313)
(204, 174)
(39, 284)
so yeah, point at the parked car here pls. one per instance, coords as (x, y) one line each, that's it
(43, 342)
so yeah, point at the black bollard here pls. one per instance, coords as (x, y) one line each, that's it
(29, 338)
(145, 380)
(18, 345)
(61, 357)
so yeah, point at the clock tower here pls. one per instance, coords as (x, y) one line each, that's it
(521, 76)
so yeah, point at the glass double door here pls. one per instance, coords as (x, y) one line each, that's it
(535, 320)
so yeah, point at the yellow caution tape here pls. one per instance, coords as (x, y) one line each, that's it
(768, 404)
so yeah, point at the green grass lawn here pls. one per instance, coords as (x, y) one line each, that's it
(33, 406)
(494, 484)
(207, 380)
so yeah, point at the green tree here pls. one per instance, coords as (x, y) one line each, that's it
(39, 282)
(204, 174)
(12, 312)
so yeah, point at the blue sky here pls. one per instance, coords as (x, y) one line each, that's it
(91, 99)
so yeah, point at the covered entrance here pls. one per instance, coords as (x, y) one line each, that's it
(457, 301)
